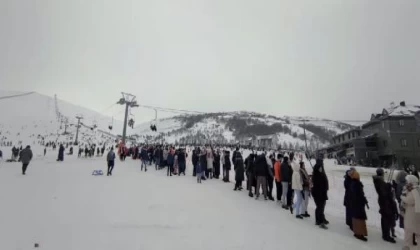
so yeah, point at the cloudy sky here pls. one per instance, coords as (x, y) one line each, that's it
(332, 59)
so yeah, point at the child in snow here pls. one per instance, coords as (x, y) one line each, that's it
(198, 172)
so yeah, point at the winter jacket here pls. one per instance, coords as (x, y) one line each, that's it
(277, 172)
(26, 156)
(239, 167)
(195, 158)
(226, 162)
(286, 172)
(203, 162)
(411, 218)
(347, 183)
(110, 156)
(143, 154)
(250, 165)
(358, 200)
(181, 157)
(170, 158)
(385, 197)
(216, 161)
(261, 166)
(297, 183)
(319, 182)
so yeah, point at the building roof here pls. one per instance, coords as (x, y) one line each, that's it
(406, 110)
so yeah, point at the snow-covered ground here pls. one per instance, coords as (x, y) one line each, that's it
(62, 206)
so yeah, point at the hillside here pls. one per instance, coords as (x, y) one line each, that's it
(34, 119)
(240, 127)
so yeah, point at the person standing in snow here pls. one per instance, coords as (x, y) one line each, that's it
(387, 206)
(239, 171)
(410, 208)
(110, 158)
(45, 151)
(297, 186)
(216, 164)
(270, 176)
(199, 172)
(195, 160)
(277, 177)
(226, 166)
(210, 160)
(306, 181)
(285, 173)
(61, 153)
(182, 158)
(250, 172)
(358, 202)
(347, 184)
(261, 172)
(319, 192)
(144, 159)
(170, 159)
(165, 157)
(25, 157)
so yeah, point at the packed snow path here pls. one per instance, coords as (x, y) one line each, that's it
(62, 206)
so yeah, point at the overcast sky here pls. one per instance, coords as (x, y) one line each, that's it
(331, 59)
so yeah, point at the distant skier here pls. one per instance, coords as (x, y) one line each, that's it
(45, 151)
(103, 150)
(111, 161)
(61, 153)
(26, 157)
(144, 159)
(98, 152)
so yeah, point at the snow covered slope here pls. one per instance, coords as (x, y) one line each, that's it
(32, 118)
(240, 126)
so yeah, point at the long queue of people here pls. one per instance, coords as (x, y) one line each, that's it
(398, 198)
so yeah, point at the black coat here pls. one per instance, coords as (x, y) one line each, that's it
(347, 183)
(386, 200)
(239, 167)
(319, 183)
(261, 166)
(195, 158)
(227, 164)
(286, 172)
(203, 162)
(357, 200)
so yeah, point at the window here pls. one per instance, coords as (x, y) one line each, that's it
(401, 123)
(348, 135)
(383, 124)
(367, 154)
(404, 143)
(385, 143)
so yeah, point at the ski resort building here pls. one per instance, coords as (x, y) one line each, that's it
(391, 136)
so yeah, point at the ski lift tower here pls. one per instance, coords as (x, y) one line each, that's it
(129, 101)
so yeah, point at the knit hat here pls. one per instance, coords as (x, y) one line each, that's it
(411, 179)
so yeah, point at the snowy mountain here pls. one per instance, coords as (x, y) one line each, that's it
(243, 127)
(32, 118)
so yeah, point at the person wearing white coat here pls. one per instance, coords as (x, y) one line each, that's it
(410, 203)
(297, 186)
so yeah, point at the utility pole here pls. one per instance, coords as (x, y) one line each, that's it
(78, 117)
(129, 101)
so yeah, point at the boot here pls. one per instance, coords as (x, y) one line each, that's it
(389, 239)
(306, 215)
(250, 195)
(299, 217)
(360, 237)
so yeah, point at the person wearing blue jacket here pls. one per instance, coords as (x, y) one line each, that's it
(110, 158)
(144, 158)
